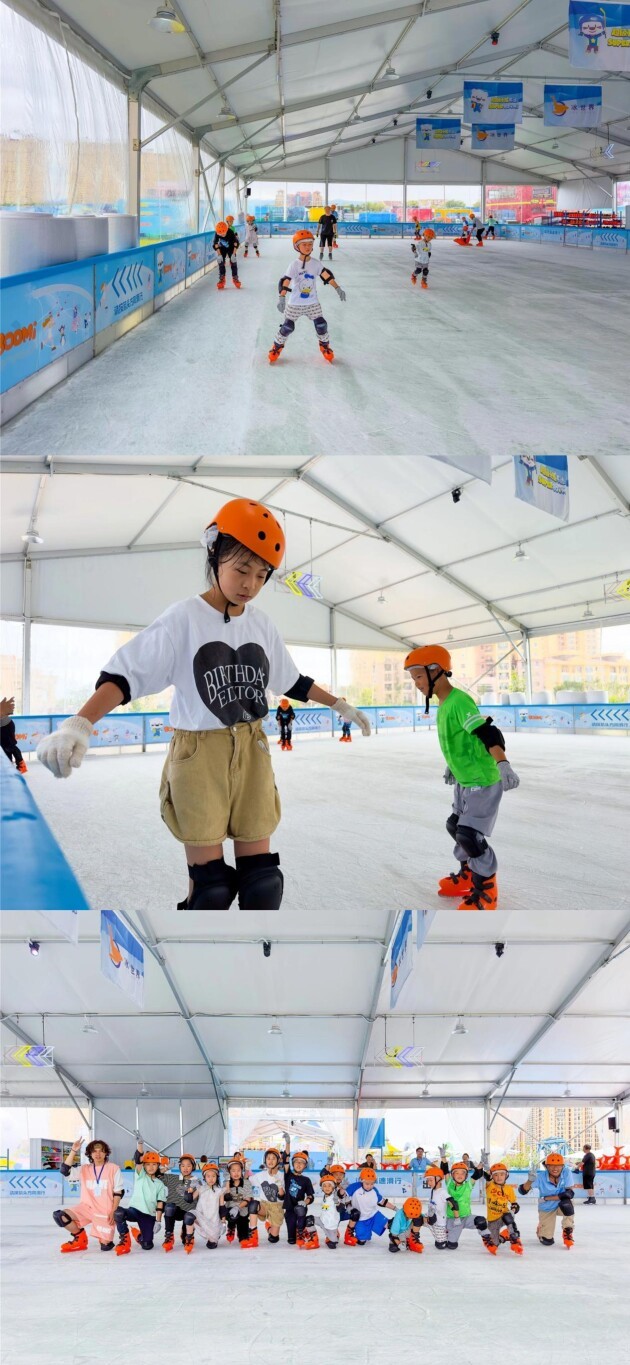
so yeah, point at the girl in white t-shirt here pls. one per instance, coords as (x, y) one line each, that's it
(300, 283)
(207, 1205)
(221, 655)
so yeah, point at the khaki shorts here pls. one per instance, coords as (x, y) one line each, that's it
(272, 1213)
(219, 784)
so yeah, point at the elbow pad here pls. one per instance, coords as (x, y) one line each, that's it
(522, 1190)
(489, 734)
(300, 689)
(120, 682)
(283, 283)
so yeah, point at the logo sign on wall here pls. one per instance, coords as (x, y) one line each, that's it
(599, 35)
(492, 137)
(438, 132)
(572, 106)
(170, 265)
(493, 101)
(401, 955)
(428, 165)
(122, 957)
(543, 481)
(43, 319)
(28, 1055)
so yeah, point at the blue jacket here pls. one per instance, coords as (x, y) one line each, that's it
(544, 1186)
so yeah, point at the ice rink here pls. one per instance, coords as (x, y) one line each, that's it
(365, 824)
(358, 1306)
(499, 350)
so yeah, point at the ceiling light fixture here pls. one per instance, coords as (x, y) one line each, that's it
(275, 1029)
(381, 597)
(165, 20)
(390, 73)
(32, 538)
(587, 615)
(143, 1089)
(286, 1093)
(33, 947)
(566, 1093)
(460, 1027)
(425, 1092)
(520, 553)
(450, 636)
(225, 111)
(88, 1026)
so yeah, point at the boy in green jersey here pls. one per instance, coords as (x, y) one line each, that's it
(477, 768)
(460, 1183)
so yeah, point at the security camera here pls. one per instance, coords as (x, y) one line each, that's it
(395, 123)
(33, 947)
(499, 949)
(456, 494)
(373, 141)
(494, 38)
(266, 948)
(429, 94)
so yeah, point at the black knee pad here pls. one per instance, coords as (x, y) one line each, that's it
(287, 327)
(120, 1216)
(253, 1206)
(471, 840)
(321, 326)
(260, 882)
(451, 825)
(416, 1223)
(566, 1206)
(62, 1218)
(170, 1210)
(309, 1221)
(214, 885)
(354, 1215)
(481, 1224)
(508, 1220)
(189, 1220)
(393, 1244)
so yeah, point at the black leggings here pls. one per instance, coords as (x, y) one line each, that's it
(295, 1218)
(145, 1221)
(286, 730)
(326, 239)
(233, 263)
(173, 1215)
(9, 744)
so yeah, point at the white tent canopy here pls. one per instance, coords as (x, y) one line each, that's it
(269, 94)
(399, 561)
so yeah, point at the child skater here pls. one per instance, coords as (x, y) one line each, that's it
(491, 225)
(8, 740)
(226, 245)
(101, 1190)
(240, 1207)
(555, 1199)
(460, 1185)
(422, 252)
(148, 1199)
(207, 1205)
(366, 1203)
(285, 716)
(326, 226)
(221, 654)
(251, 235)
(406, 1225)
(501, 1205)
(478, 770)
(179, 1196)
(326, 1216)
(299, 1194)
(270, 1191)
(345, 736)
(439, 1203)
(300, 283)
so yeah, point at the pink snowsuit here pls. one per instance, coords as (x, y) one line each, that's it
(98, 1185)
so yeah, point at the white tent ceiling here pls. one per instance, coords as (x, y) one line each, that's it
(299, 96)
(398, 559)
(551, 1013)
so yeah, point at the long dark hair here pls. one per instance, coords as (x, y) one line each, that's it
(227, 548)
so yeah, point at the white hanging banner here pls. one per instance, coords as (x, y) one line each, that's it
(599, 36)
(478, 465)
(493, 101)
(543, 481)
(401, 955)
(122, 957)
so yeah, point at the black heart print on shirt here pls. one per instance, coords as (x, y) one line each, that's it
(232, 683)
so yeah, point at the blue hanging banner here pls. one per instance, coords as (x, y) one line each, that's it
(543, 481)
(493, 101)
(492, 137)
(401, 955)
(122, 957)
(572, 106)
(599, 36)
(438, 132)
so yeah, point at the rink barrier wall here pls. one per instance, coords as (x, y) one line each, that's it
(142, 729)
(39, 1184)
(57, 319)
(35, 873)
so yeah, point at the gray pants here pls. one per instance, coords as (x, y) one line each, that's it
(477, 808)
(293, 312)
(455, 1227)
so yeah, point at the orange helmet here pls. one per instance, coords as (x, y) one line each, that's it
(338, 1172)
(554, 1159)
(284, 702)
(302, 235)
(272, 1151)
(230, 219)
(237, 1161)
(152, 1158)
(412, 1208)
(254, 526)
(459, 1166)
(367, 1174)
(327, 1178)
(251, 218)
(221, 229)
(435, 1172)
(425, 655)
(210, 1166)
(499, 1166)
(187, 1156)
(300, 1156)
(429, 234)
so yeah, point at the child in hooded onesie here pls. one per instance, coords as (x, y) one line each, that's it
(207, 1205)
(366, 1205)
(101, 1190)
(555, 1199)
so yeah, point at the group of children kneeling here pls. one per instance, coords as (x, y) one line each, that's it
(282, 1193)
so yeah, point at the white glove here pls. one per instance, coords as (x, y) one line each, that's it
(66, 747)
(448, 778)
(282, 303)
(348, 712)
(509, 779)
(531, 1176)
(341, 294)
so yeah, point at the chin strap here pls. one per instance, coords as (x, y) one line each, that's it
(433, 677)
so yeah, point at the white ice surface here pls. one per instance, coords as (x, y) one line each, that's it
(514, 347)
(364, 825)
(281, 1306)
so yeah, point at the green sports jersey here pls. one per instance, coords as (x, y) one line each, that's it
(457, 719)
(462, 1194)
(147, 1192)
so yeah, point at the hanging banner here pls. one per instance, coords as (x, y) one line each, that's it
(572, 106)
(599, 36)
(494, 101)
(122, 957)
(438, 132)
(492, 137)
(478, 465)
(401, 956)
(543, 481)
(425, 919)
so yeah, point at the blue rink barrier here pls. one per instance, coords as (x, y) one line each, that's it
(40, 1184)
(145, 728)
(35, 874)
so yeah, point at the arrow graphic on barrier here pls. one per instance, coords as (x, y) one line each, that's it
(613, 715)
(29, 1183)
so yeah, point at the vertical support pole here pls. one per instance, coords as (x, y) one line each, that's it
(404, 179)
(134, 127)
(26, 650)
(528, 669)
(221, 190)
(482, 213)
(326, 191)
(486, 1126)
(181, 1129)
(355, 1132)
(196, 185)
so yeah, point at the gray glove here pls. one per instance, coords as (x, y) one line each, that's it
(282, 303)
(484, 1158)
(448, 778)
(413, 248)
(341, 294)
(531, 1176)
(442, 1151)
(509, 779)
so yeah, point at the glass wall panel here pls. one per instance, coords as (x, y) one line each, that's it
(167, 183)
